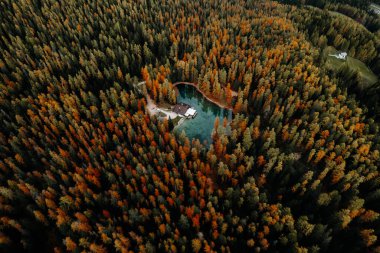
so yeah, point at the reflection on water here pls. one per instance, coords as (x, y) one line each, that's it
(202, 125)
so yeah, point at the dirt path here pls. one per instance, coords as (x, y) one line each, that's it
(153, 109)
(170, 114)
(151, 106)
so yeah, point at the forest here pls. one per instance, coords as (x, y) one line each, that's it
(362, 4)
(85, 168)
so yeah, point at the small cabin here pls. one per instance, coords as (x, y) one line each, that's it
(340, 56)
(185, 110)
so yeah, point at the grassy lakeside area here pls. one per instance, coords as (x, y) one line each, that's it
(367, 77)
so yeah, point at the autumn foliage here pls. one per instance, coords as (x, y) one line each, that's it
(85, 168)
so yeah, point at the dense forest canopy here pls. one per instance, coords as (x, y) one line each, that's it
(85, 168)
(363, 4)
(362, 11)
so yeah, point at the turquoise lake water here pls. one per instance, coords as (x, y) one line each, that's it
(202, 125)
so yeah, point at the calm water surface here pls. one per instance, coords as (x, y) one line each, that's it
(202, 125)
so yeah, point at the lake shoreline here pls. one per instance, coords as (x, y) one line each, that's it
(201, 126)
(234, 94)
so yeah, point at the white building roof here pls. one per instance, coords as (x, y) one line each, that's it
(341, 55)
(190, 112)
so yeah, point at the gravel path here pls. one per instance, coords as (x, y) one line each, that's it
(153, 109)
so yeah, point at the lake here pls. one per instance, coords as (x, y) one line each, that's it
(202, 125)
